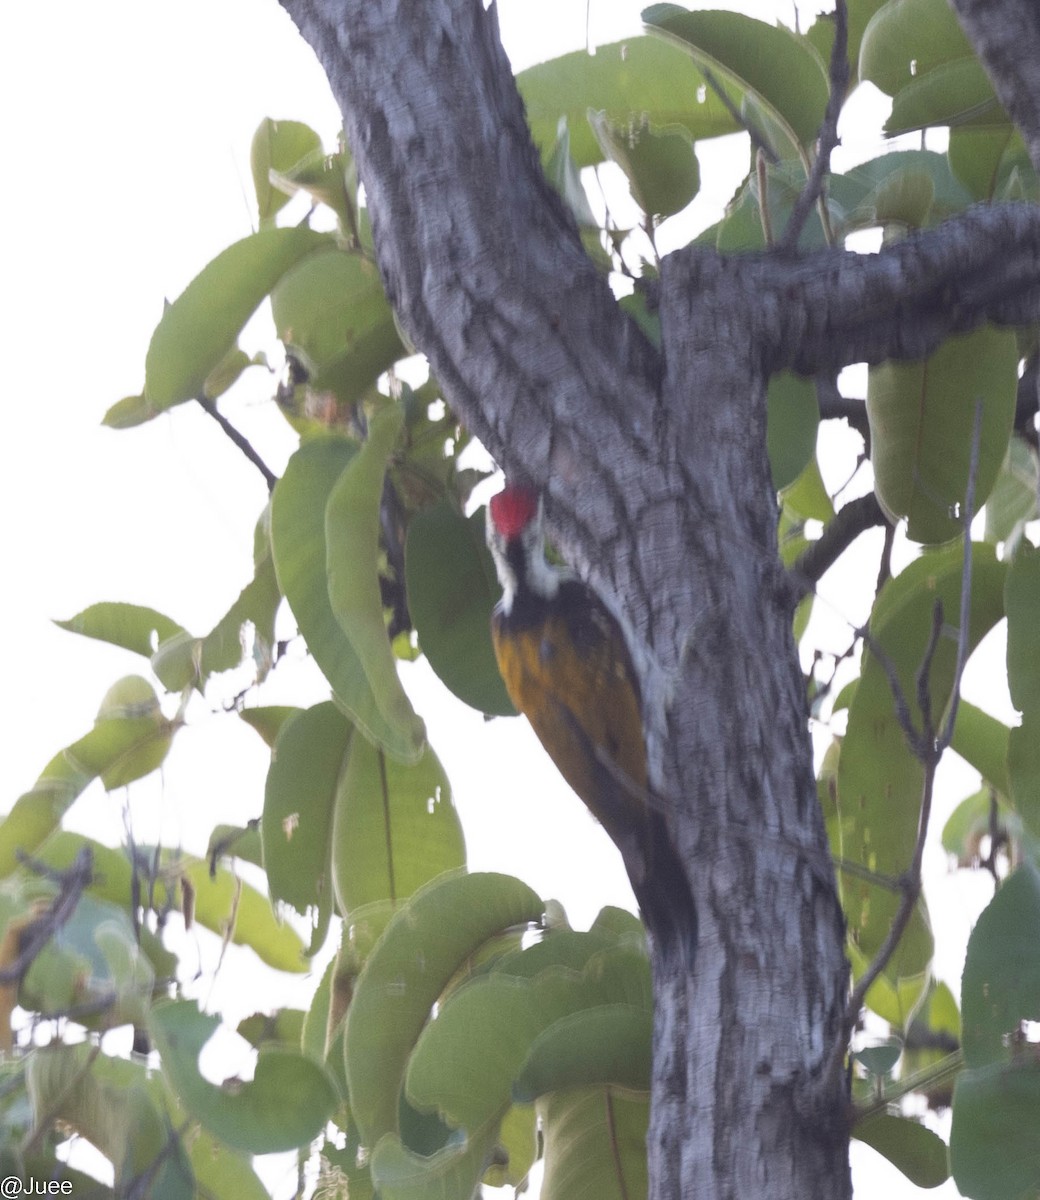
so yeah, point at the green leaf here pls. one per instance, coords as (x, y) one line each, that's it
(609, 1044)
(982, 741)
(1024, 769)
(395, 827)
(994, 1150)
(659, 163)
(1001, 984)
(954, 93)
(329, 179)
(277, 146)
(268, 720)
(132, 626)
(109, 1102)
(307, 762)
(907, 39)
(807, 497)
(630, 79)
(129, 740)
(451, 591)
(199, 328)
(916, 1151)
(286, 1105)
(128, 412)
(426, 943)
(1013, 500)
(238, 841)
(236, 910)
(352, 562)
(921, 420)
(562, 172)
(455, 1170)
(780, 69)
(595, 1145)
(1022, 600)
(792, 419)
(879, 779)
(298, 540)
(331, 310)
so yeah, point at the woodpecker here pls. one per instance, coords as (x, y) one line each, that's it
(567, 667)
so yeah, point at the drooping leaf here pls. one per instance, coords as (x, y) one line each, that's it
(426, 943)
(982, 741)
(285, 1105)
(919, 1153)
(307, 763)
(994, 1151)
(921, 421)
(1024, 769)
(1001, 984)
(595, 1144)
(352, 551)
(394, 828)
(298, 540)
(451, 592)
(606, 1045)
(267, 720)
(1022, 599)
(201, 325)
(792, 419)
(781, 70)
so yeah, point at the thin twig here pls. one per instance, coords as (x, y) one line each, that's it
(885, 565)
(836, 407)
(926, 745)
(72, 883)
(828, 135)
(243, 443)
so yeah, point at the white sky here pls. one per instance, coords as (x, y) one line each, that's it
(126, 168)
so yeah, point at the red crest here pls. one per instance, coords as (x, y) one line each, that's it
(513, 509)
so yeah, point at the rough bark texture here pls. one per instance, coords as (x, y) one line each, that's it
(1006, 36)
(658, 489)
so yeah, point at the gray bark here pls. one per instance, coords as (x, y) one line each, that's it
(658, 490)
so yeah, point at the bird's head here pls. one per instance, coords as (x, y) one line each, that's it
(516, 538)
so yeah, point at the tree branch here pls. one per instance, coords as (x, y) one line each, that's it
(836, 407)
(828, 136)
(853, 519)
(820, 311)
(1006, 37)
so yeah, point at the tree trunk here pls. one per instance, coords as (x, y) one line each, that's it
(658, 489)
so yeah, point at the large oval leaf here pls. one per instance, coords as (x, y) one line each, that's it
(352, 562)
(921, 420)
(395, 827)
(780, 69)
(298, 542)
(451, 592)
(906, 39)
(277, 146)
(916, 1151)
(595, 1144)
(307, 762)
(199, 328)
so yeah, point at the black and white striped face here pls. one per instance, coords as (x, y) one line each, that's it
(516, 539)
